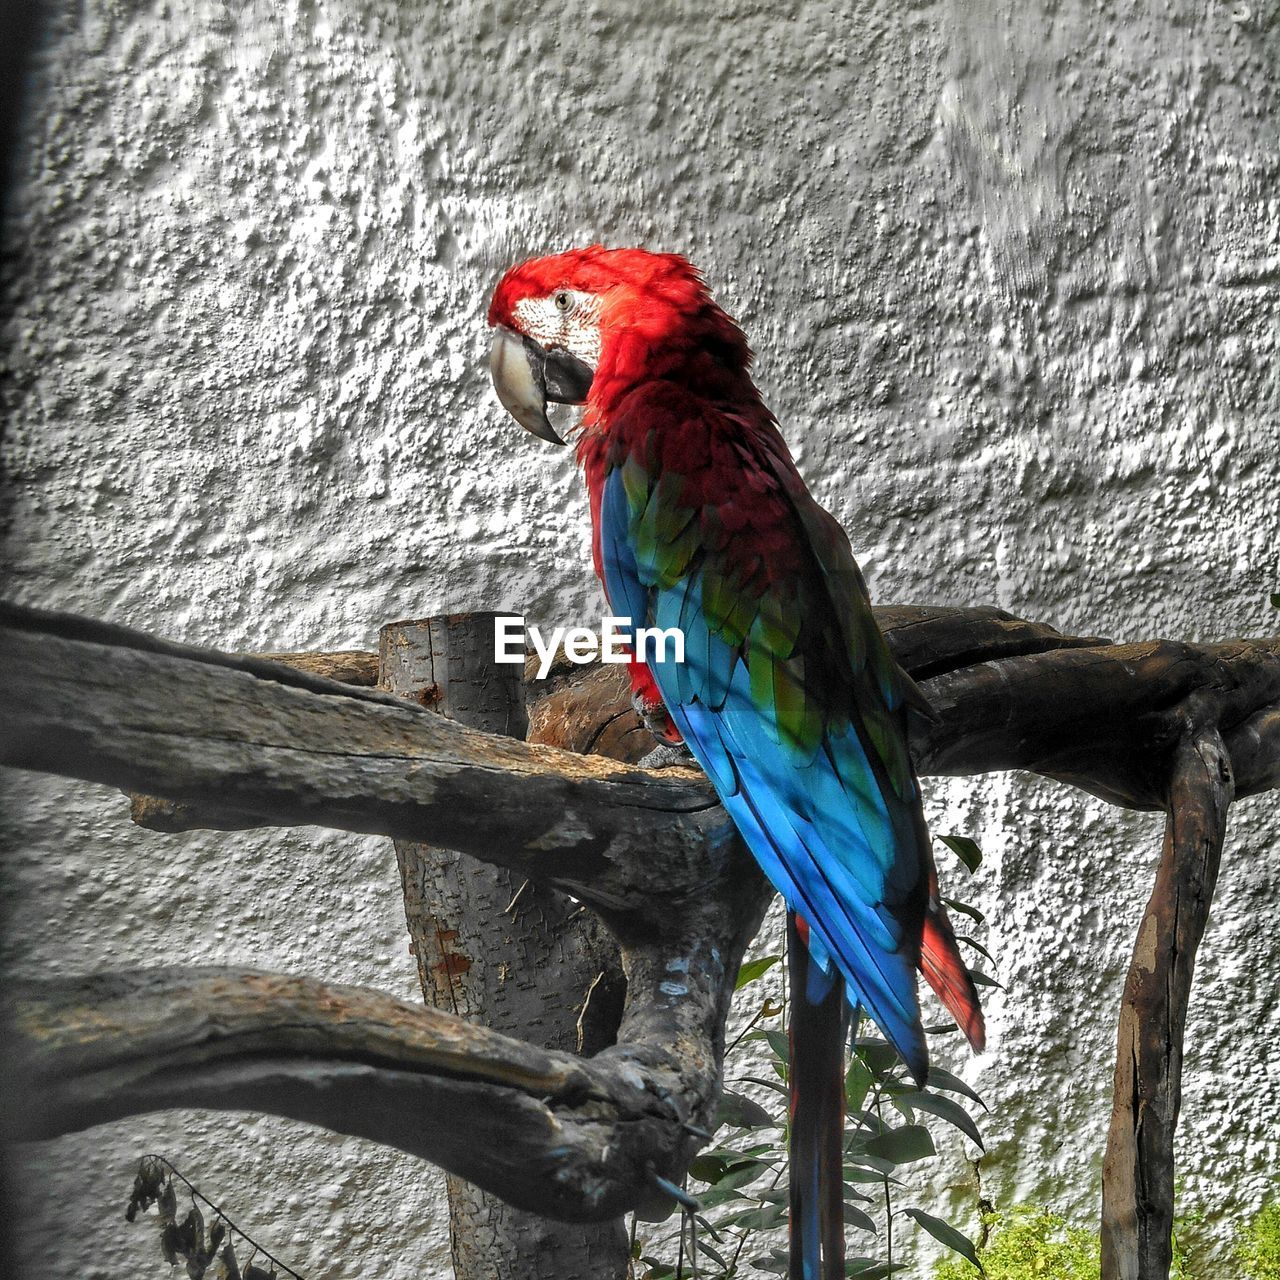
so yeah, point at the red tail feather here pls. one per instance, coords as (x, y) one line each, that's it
(946, 972)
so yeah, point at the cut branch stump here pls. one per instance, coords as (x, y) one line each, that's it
(500, 950)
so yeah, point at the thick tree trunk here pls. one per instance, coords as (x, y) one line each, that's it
(500, 950)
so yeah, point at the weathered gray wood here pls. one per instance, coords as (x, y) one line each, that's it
(544, 1129)
(1138, 1173)
(253, 743)
(347, 666)
(929, 640)
(269, 754)
(501, 951)
(666, 873)
(1104, 719)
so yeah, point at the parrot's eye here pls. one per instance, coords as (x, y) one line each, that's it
(563, 300)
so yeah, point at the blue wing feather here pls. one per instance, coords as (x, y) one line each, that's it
(820, 826)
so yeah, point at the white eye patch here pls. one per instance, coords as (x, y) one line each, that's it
(574, 327)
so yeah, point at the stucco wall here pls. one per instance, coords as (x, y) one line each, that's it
(1012, 274)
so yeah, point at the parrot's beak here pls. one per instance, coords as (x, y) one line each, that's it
(527, 376)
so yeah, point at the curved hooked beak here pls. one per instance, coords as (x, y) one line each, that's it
(527, 375)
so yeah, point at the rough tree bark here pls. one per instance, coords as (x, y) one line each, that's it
(501, 950)
(233, 742)
(1138, 1173)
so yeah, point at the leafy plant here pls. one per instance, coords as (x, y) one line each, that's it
(1030, 1242)
(1258, 1244)
(740, 1182)
(206, 1249)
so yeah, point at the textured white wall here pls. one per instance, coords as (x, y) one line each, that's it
(1012, 275)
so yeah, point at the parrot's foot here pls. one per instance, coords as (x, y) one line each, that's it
(653, 715)
(666, 754)
(670, 749)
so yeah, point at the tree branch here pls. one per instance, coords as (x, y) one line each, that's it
(1138, 1174)
(270, 752)
(547, 1131)
(246, 742)
(1105, 719)
(498, 949)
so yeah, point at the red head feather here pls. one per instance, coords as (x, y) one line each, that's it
(657, 321)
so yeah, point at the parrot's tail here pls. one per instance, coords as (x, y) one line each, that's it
(946, 972)
(818, 1031)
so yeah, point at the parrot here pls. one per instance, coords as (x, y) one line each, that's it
(787, 695)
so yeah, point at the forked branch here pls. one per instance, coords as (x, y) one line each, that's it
(564, 1136)
(234, 742)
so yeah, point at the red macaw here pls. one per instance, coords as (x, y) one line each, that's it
(787, 697)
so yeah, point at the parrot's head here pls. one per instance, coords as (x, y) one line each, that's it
(581, 327)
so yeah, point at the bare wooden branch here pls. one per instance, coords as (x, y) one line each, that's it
(139, 709)
(1137, 1176)
(346, 666)
(1103, 719)
(545, 1130)
(244, 742)
(678, 889)
(269, 753)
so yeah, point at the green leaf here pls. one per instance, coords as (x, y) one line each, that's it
(778, 1043)
(855, 1217)
(981, 979)
(859, 1174)
(976, 945)
(954, 904)
(773, 1265)
(704, 1247)
(767, 1084)
(764, 1218)
(705, 1222)
(739, 1175)
(945, 1109)
(708, 1168)
(965, 849)
(880, 1058)
(719, 1195)
(857, 1084)
(1275, 599)
(946, 1234)
(940, 1078)
(902, 1146)
(872, 1268)
(739, 1111)
(753, 969)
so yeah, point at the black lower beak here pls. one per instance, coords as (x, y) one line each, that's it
(527, 375)
(567, 379)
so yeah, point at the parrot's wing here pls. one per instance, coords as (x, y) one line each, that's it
(788, 698)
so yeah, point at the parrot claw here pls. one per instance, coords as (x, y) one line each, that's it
(653, 715)
(667, 754)
(670, 749)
